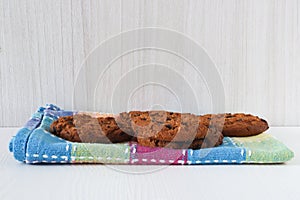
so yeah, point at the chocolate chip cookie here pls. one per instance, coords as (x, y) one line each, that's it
(239, 124)
(174, 130)
(89, 129)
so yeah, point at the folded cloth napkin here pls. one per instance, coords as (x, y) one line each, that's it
(35, 144)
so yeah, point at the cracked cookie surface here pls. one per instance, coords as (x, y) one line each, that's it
(158, 128)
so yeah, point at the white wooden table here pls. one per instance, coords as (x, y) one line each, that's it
(22, 181)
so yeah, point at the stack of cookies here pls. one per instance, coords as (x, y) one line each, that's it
(157, 128)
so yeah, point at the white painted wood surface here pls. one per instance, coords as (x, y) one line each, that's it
(255, 45)
(22, 181)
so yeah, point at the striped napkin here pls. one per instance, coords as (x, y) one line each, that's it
(35, 144)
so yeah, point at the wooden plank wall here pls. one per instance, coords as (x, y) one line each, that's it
(255, 45)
